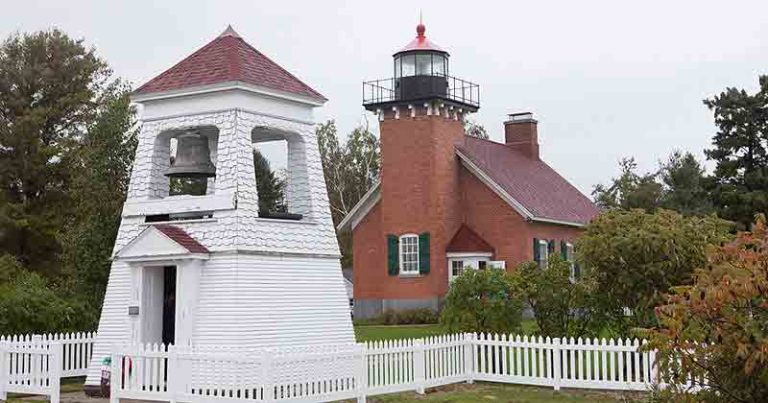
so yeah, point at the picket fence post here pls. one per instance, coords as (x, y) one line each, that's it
(173, 374)
(361, 377)
(115, 376)
(3, 371)
(556, 363)
(469, 357)
(419, 375)
(269, 387)
(55, 363)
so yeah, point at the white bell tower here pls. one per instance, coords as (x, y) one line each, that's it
(211, 269)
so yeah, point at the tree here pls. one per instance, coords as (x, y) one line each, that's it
(717, 328)
(637, 256)
(562, 306)
(684, 184)
(29, 303)
(98, 187)
(351, 170)
(679, 184)
(630, 190)
(271, 189)
(483, 301)
(740, 149)
(474, 129)
(51, 87)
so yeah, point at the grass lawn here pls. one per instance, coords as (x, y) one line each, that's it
(487, 392)
(393, 332)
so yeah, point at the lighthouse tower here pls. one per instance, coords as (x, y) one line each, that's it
(195, 261)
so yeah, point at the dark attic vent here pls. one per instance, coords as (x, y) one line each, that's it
(197, 215)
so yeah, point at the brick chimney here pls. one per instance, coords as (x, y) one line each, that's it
(520, 133)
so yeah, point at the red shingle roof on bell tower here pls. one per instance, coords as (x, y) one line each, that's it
(228, 58)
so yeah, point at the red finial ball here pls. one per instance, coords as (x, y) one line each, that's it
(420, 29)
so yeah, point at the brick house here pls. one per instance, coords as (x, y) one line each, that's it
(447, 201)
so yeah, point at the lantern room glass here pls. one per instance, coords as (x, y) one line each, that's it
(421, 64)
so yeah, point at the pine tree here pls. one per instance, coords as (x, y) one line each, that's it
(271, 189)
(51, 89)
(739, 184)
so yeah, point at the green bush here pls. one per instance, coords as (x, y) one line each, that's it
(636, 257)
(561, 307)
(716, 329)
(30, 304)
(419, 316)
(483, 301)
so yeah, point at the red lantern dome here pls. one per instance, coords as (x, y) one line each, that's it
(421, 43)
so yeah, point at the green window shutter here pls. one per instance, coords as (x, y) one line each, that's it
(393, 263)
(536, 257)
(564, 250)
(551, 247)
(424, 253)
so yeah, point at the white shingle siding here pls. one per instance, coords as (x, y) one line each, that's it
(266, 282)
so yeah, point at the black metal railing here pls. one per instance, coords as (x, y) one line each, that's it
(415, 88)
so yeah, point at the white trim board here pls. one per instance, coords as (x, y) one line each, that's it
(362, 208)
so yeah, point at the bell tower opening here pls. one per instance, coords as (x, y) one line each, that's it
(279, 157)
(191, 167)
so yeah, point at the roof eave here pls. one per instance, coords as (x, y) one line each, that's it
(140, 97)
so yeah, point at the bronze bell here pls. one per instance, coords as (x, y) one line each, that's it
(193, 158)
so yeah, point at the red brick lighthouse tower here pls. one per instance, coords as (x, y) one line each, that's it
(421, 111)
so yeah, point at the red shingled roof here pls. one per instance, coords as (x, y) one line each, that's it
(225, 59)
(466, 240)
(182, 238)
(531, 182)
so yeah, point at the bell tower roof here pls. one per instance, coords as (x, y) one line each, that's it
(228, 59)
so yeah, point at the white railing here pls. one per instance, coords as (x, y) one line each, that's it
(77, 348)
(35, 364)
(30, 368)
(326, 373)
(588, 364)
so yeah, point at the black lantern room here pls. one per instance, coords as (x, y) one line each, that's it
(421, 73)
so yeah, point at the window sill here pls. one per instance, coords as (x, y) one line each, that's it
(409, 275)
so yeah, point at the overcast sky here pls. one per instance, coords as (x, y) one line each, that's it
(606, 79)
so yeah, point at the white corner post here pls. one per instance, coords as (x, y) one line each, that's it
(55, 367)
(420, 376)
(556, 363)
(469, 356)
(361, 373)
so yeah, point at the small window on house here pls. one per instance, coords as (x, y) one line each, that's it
(569, 256)
(543, 253)
(457, 267)
(482, 264)
(409, 254)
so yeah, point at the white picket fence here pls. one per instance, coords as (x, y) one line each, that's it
(35, 364)
(328, 373)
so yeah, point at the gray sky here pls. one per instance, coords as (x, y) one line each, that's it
(606, 79)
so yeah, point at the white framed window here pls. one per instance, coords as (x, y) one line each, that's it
(457, 268)
(570, 259)
(543, 253)
(498, 264)
(409, 254)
